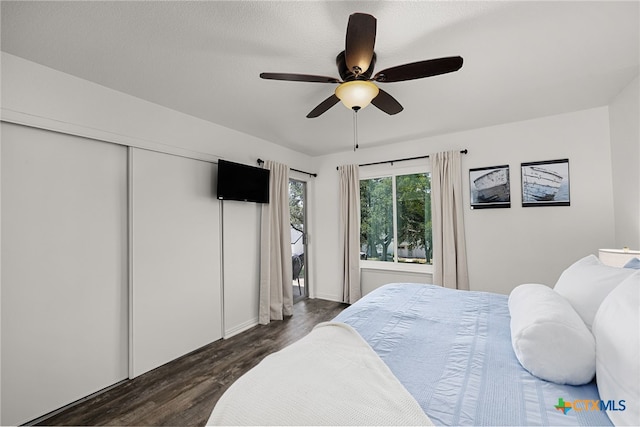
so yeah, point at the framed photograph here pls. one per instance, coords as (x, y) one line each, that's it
(545, 183)
(490, 187)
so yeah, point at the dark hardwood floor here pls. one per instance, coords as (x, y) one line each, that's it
(183, 392)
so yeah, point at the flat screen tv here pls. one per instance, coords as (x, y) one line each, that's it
(242, 182)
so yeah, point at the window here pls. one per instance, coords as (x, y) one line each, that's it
(395, 219)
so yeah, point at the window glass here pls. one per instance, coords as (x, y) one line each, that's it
(376, 219)
(413, 201)
(396, 209)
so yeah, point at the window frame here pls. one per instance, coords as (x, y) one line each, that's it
(386, 170)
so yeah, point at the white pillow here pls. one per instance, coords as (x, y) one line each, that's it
(617, 332)
(587, 282)
(549, 338)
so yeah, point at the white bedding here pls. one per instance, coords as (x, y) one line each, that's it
(348, 385)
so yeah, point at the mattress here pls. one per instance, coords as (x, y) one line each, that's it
(452, 352)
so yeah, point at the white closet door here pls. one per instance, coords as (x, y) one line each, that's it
(64, 270)
(176, 280)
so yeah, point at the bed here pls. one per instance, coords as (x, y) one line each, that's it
(453, 355)
(471, 375)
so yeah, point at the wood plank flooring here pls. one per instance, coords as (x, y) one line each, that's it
(184, 391)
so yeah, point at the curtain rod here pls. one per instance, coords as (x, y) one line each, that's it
(260, 161)
(402, 160)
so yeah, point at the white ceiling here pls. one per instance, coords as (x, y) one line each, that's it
(521, 60)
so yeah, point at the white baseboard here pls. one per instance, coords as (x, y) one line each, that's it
(240, 328)
(328, 297)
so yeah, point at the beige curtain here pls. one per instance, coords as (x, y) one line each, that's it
(350, 232)
(449, 248)
(276, 284)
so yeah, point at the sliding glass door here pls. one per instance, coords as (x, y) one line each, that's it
(298, 215)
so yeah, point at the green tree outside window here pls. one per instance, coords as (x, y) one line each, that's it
(413, 219)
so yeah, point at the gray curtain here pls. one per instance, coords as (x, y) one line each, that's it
(449, 248)
(350, 232)
(276, 283)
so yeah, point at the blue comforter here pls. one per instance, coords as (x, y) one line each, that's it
(452, 351)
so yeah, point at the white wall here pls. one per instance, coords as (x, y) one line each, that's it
(40, 96)
(64, 281)
(505, 247)
(242, 266)
(44, 98)
(175, 262)
(624, 113)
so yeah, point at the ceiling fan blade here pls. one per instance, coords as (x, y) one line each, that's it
(360, 41)
(387, 103)
(323, 106)
(419, 70)
(299, 77)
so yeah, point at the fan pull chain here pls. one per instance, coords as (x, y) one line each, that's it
(355, 129)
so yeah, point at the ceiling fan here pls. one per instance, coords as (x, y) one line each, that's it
(355, 66)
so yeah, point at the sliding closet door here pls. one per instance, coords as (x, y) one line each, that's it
(64, 270)
(176, 281)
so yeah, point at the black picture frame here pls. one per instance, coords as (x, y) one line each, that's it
(490, 187)
(545, 183)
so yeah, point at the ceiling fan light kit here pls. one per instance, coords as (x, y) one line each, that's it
(357, 94)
